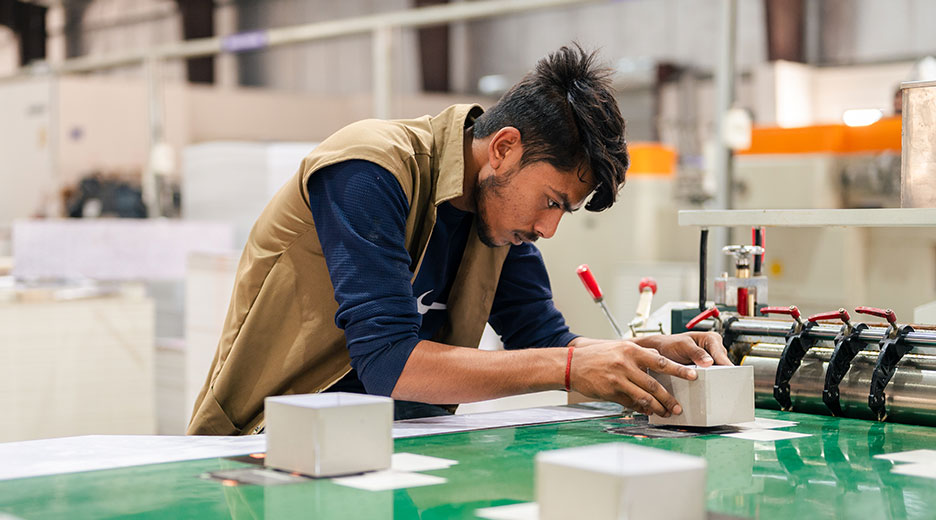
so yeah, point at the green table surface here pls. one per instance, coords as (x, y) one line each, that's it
(830, 474)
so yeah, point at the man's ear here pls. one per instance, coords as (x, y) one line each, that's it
(504, 145)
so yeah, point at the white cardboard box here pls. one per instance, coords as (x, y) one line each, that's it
(329, 434)
(77, 366)
(720, 395)
(620, 480)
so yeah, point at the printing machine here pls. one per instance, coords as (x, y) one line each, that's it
(866, 365)
(828, 364)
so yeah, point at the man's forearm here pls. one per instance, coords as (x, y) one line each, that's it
(582, 341)
(444, 374)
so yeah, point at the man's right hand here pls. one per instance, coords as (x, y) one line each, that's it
(617, 371)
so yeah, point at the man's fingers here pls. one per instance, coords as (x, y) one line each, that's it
(699, 356)
(648, 383)
(712, 342)
(658, 363)
(643, 401)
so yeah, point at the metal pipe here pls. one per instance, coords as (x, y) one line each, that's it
(910, 396)
(778, 329)
(383, 71)
(724, 98)
(614, 325)
(703, 259)
(149, 185)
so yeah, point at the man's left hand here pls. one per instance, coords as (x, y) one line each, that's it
(699, 348)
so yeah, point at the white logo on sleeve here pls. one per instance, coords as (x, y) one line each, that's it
(422, 308)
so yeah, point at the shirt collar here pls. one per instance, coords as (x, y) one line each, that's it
(448, 154)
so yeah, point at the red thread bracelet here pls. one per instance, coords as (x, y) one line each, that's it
(568, 374)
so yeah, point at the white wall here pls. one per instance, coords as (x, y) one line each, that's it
(856, 31)
(793, 94)
(680, 31)
(27, 184)
(337, 66)
(114, 26)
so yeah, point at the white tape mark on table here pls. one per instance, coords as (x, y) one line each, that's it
(919, 469)
(766, 435)
(414, 462)
(764, 424)
(913, 456)
(523, 511)
(388, 479)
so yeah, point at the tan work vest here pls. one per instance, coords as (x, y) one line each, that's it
(279, 335)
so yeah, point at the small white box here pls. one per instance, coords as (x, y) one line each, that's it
(620, 480)
(719, 395)
(329, 434)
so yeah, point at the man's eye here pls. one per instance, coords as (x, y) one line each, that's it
(552, 204)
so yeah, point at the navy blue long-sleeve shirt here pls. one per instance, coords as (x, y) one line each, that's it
(360, 211)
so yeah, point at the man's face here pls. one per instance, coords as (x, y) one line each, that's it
(518, 205)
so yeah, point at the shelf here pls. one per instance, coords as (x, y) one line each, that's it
(883, 217)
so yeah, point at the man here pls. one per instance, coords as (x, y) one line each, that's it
(396, 241)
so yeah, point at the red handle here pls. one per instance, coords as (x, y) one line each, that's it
(647, 282)
(791, 311)
(588, 279)
(880, 313)
(840, 314)
(711, 312)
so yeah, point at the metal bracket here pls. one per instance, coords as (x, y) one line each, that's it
(893, 349)
(847, 345)
(797, 344)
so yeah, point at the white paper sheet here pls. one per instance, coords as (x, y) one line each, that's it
(389, 479)
(482, 421)
(113, 249)
(913, 456)
(414, 462)
(764, 424)
(93, 452)
(524, 511)
(920, 469)
(766, 435)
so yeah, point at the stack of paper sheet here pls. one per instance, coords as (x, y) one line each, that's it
(233, 181)
(112, 249)
(77, 366)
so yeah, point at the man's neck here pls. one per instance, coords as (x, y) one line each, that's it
(473, 153)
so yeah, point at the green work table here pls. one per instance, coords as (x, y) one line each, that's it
(830, 474)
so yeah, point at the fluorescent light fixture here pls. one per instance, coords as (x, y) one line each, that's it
(861, 116)
(493, 84)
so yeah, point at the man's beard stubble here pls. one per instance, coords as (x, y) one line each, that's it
(490, 188)
(487, 188)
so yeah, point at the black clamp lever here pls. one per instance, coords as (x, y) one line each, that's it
(798, 343)
(893, 348)
(848, 344)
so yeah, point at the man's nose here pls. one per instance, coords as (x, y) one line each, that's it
(547, 224)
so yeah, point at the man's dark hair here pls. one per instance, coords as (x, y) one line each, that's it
(567, 116)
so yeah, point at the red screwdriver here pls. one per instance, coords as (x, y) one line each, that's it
(591, 285)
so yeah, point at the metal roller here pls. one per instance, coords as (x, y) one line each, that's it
(911, 393)
(924, 340)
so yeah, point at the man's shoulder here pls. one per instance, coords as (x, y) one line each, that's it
(409, 137)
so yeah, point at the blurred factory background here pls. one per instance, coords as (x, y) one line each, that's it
(139, 140)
